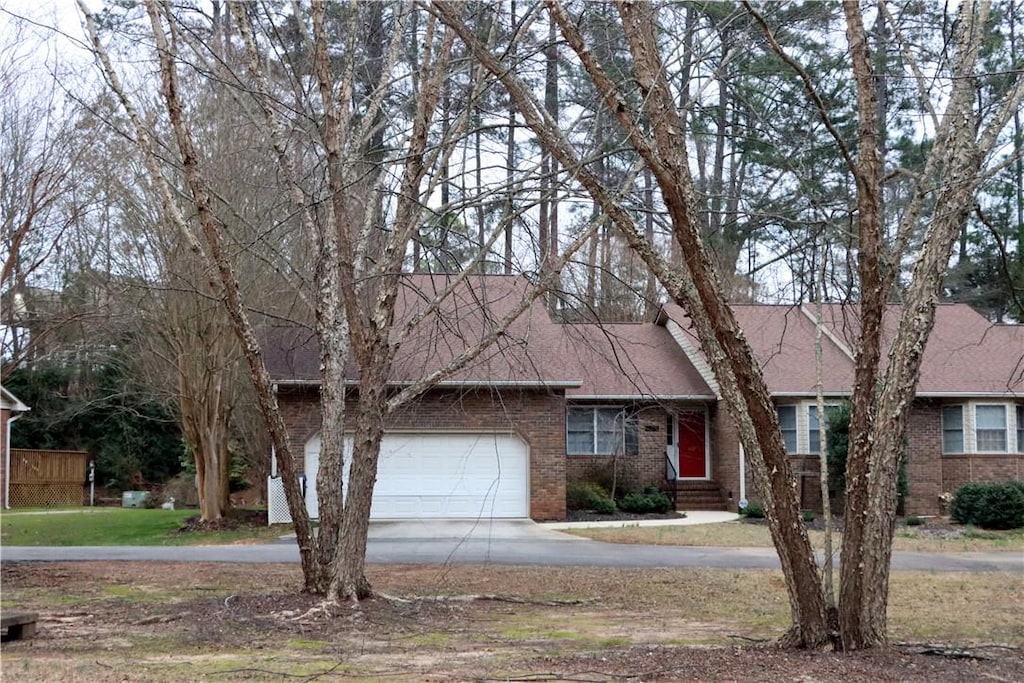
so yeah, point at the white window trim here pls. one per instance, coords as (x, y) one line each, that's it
(807, 426)
(621, 408)
(803, 423)
(964, 432)
(1007, 421)
(1018, 427)
(796, 426)
(970, 428)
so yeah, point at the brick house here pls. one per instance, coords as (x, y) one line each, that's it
(555, 402)
(10, 408)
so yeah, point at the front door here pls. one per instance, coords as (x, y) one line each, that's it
(692, 446)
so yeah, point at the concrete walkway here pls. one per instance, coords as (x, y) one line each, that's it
(691, 518)
(517, 529)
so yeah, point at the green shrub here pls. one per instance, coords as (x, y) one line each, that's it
(808, 515)
(618, 476)
(586, 495)
(643, 503)
(837, 446)
(997, 505)
(913, 521)
(753, 511)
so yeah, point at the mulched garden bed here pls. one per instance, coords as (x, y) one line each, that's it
(233, 520)
(589, 516)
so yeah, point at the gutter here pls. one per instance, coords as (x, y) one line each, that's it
(641, 397)
(554, 384)
(273, 452)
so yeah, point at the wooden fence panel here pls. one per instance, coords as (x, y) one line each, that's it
(47, 478)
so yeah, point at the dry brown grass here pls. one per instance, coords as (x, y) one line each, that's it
(743, 535)
(129, 621)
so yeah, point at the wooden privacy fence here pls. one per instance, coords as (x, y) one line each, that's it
(47, 478)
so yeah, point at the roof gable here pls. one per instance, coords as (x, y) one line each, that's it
(782, 338)
(9, 401)
(965, 355)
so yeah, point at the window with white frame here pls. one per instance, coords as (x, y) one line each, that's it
(1020, 428)
(952, 429)
(787, 423)
(601, 430)
(813, 430)
(982, 427)
(990, 428)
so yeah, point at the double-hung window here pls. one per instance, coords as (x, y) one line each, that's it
(787, 423)
(1020, 428)
(601, 431)
(952, 429)
(813, 433)
(990, 428)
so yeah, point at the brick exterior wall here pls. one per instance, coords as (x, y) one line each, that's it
(725, 458)
(537, 417)
(924, 458)
(929, 472)
(647, 468)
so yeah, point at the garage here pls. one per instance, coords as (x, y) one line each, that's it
(441, 475)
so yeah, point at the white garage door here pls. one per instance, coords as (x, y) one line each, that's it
(464, 476)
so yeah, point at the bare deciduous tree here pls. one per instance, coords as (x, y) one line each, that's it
(952, 175)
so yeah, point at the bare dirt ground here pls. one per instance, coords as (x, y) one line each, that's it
(185, 622)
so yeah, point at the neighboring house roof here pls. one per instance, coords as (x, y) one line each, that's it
(433, 330)
(965, 355)
(9, 401)
(629, 360)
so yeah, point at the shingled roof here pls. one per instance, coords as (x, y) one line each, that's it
(966, 355)
(436, 320)
(624, 360)
(609, 361)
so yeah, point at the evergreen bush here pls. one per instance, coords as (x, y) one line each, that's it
(643, 503)
(998, 505)
(587, 495)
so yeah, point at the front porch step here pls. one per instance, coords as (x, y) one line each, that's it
(698, 495)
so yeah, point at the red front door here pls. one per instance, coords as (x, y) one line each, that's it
(692, 446)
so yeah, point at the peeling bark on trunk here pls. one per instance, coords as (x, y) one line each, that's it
(875, 452)
(695, 286)
(868, 176)
(348, 575)
(230, 291)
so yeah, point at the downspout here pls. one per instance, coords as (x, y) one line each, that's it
(273, 452)
(7, 463)
(743, 478)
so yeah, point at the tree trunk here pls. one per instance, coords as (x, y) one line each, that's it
(510, 158)
(695, 287)
(957, 155)
(212, 233)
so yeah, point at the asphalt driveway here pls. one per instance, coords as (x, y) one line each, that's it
(499, 542)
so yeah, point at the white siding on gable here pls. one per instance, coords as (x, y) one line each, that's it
(694, 355)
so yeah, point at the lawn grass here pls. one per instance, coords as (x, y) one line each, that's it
(112, 526)
(742, 535)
